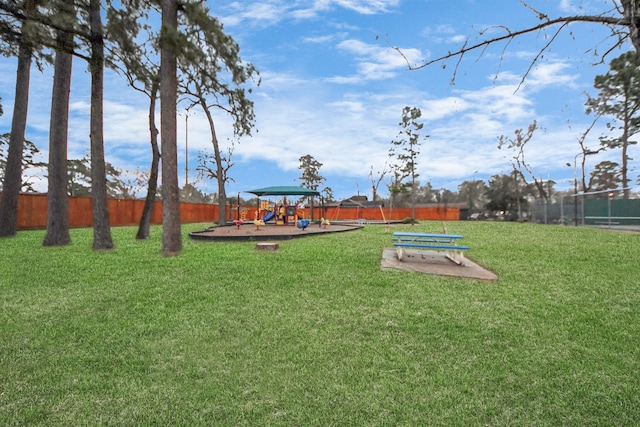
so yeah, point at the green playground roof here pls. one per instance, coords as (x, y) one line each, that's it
(284, 191)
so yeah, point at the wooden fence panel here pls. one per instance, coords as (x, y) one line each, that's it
(198, 212)
(156, 217)
(32, 212)
(122, 212)
(81, 212)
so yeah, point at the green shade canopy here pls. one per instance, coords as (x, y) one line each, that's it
(284, 191)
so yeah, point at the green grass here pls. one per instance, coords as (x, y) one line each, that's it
(317, 334)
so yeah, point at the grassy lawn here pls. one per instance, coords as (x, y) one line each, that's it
(317, 334)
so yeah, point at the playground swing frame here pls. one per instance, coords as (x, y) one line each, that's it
(384, 218)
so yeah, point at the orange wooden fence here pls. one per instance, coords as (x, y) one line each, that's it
(442, 213)
(32, 212)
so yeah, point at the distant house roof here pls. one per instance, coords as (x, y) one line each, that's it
(359, 201)
(359, 198)
(458, 205)
(284, 191)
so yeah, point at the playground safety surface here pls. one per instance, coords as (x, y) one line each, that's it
(267, 232)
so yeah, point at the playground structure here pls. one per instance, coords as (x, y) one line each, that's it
(282, 212)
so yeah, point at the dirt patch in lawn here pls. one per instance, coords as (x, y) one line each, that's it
(434, 262)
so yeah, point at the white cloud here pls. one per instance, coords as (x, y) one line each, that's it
(550, 74)
(363, 7)
(444, 33)
(255, 13)
(457, 39)
(568, 6)
(500, 102)
(319, 39)
(375, 62)
(271, 12)
(438, 109)
(368, 7)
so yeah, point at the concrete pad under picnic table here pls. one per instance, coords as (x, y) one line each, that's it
(434, 262)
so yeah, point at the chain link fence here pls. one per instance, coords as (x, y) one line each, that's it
(580, 210)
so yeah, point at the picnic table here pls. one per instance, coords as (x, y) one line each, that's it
(436, 242)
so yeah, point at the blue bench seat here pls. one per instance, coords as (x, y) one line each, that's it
(438, 242)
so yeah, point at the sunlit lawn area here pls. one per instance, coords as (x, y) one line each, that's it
(317, 334)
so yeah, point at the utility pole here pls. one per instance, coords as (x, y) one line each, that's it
(186, 148)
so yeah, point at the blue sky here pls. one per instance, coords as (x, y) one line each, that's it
(334, 87)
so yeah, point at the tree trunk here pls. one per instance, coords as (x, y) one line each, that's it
(101, 228)
(220, 173)
(222, 202)
(631, 11)
(413, 197)
(171, 233)
(13, 168)
(147, 211)
(57, 201)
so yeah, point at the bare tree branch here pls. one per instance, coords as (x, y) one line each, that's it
(586, 152)
(627, 19)
(538, 55)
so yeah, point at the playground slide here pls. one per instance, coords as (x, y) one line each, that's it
(269, 216)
